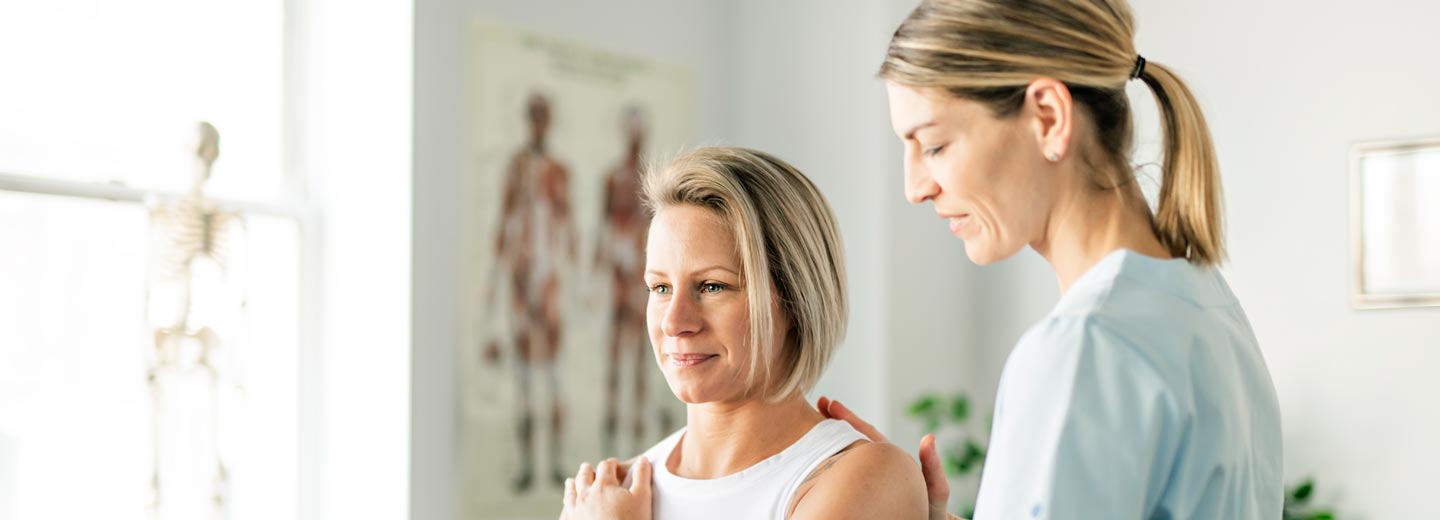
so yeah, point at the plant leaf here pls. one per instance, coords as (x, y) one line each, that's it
(960, 409)
(973, 456)
(923, 406)
(1303, 491)
(952, 463)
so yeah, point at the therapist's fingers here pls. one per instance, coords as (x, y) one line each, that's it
(606, 473)
(569, 496)
(823, 404)
(839, 411)
(937, 486)
(640, 485)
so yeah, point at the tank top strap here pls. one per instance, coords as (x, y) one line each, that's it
(828, 438)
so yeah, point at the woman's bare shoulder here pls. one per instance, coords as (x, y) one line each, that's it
(866, 480)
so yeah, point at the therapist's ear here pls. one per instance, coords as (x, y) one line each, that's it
(1050, 111)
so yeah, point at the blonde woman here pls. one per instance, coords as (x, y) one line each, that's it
(747, 301)
(1143, 394)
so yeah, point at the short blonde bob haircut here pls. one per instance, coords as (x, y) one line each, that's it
(786, 235)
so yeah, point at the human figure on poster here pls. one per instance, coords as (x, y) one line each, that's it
(620, 256)
(536, 235)
(194, 299)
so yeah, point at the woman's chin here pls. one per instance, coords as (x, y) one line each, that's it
(697, 395)
(694, 397)
(685, 393)
(690, 400)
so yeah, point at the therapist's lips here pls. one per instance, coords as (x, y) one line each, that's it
(689, 360)
(957, 222)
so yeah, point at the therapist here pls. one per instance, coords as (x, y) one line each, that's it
(1143, 394)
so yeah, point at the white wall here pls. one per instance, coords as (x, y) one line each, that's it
(692, 33)
(1288, 88)
(807, 92)
(804, 94)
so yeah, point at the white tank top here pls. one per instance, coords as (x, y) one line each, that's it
(760, 491)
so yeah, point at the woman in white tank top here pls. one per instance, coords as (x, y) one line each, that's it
(746, 304)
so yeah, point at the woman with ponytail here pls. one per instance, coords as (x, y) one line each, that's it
(1143, 394)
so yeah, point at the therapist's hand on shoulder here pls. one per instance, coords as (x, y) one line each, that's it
(937, 486)
(596, 493)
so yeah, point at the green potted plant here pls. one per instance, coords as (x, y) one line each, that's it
(961, 446)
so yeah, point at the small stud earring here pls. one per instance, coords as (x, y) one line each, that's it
(1053, 157)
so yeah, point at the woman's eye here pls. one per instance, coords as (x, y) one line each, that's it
(930, 152)
(659, 289)
(711, 288)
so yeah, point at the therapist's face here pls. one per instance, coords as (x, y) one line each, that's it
(698, 312)
(980, 172)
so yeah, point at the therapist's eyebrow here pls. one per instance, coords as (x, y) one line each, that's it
(910, 134)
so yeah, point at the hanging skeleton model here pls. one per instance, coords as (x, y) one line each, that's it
(194, 307)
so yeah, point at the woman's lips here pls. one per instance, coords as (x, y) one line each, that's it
(689, 360)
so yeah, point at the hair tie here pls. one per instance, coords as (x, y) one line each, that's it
(1139, 67)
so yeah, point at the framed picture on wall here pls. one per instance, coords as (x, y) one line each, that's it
(1395, 223)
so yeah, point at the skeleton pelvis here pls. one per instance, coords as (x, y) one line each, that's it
(185, 350)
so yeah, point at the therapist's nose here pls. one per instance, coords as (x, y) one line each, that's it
(682, 316)
(919, 184)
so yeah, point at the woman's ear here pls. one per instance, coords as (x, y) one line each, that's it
(1050, 109)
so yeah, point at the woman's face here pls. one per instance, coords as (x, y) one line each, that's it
(985, 175)
(698, 313)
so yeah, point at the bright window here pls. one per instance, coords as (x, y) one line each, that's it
(107, 95)
(110, 91)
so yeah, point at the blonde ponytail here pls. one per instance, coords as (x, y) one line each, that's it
(1188, 218)
(991, 50)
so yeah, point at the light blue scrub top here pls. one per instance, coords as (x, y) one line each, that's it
(1143, 395)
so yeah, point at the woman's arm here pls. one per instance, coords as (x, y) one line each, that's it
(868, 480)
(937, 485)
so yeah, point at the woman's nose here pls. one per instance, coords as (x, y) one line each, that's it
(919, 184)
(682, 316)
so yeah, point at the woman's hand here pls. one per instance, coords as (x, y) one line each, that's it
(937, 486)
(596, 494)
